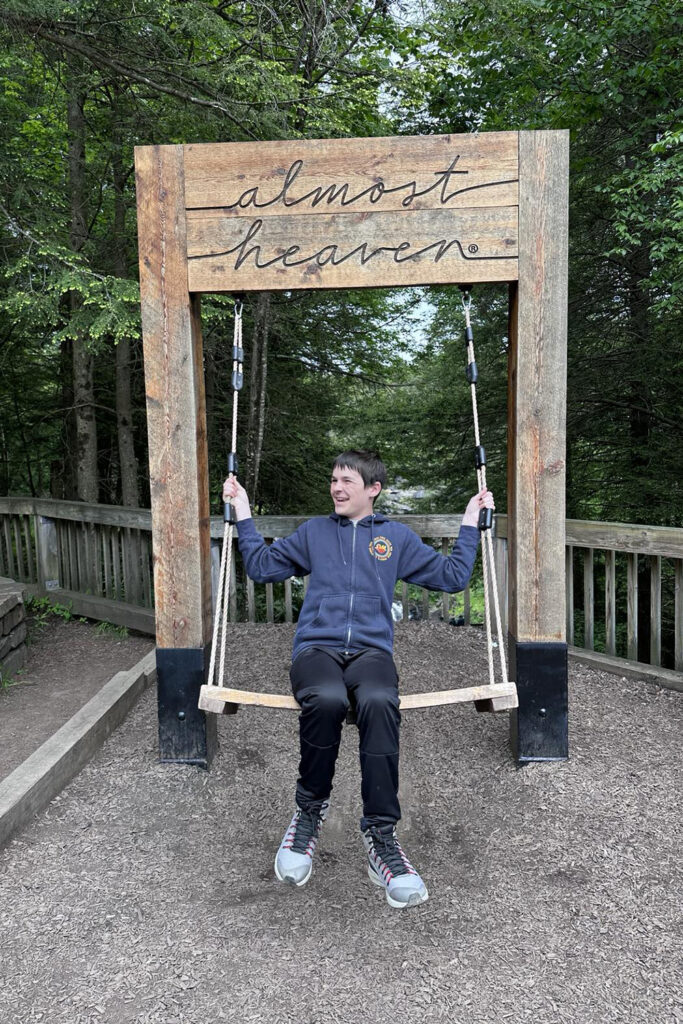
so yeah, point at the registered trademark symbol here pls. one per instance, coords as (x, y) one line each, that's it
(473, 248)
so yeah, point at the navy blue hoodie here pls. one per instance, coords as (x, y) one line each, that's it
(353, 571)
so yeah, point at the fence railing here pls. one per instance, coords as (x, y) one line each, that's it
(273, 602)
(624, 594)
(624, 581)
(98, 558)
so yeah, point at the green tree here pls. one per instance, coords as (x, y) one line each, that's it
(612, 75)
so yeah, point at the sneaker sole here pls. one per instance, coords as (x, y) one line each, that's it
(292, 881)
(413, 900)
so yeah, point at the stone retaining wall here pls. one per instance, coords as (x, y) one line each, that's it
(13, 651)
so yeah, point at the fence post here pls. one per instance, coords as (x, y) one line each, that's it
(48, 552)
(216, 546)
(500, 558)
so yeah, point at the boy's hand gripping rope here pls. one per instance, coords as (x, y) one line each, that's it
(229, 517)
(485, 514)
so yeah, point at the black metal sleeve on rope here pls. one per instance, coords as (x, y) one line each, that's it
(469, 336)
(485, 518)
(237, 375)
(232, 463)
(229, 514)
(472, 373)
(479, 456)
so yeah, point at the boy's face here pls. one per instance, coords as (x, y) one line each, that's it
(350, 495)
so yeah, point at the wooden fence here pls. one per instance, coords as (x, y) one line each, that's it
(98, 558)
(624, 596)
(277, 602)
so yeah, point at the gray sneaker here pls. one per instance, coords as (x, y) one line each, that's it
(389, 867)
(294, 860)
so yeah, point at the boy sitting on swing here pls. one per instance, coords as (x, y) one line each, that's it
(342, 653)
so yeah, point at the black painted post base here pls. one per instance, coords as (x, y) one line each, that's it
(186, 734)
(539, 726)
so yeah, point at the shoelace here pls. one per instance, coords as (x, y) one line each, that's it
(307, 828)
(387, 847)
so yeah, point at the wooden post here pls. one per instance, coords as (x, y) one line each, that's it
(632, 606)
(655, 610)
(678, 614)
(178, 458)
(500, 557)
(588, 601)
(48, 552)
(610, 603)
(215, 572)
(569, 590)
(536, 451)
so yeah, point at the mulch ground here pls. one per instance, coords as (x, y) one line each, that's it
(145, 893)
(68, 662)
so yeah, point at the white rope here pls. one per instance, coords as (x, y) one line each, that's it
(487, 558)
(223, 596)
(217, 613)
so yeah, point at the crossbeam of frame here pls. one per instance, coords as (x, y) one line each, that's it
(349, 213)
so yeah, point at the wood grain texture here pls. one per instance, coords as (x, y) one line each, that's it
(484, 173)
(666, 541)
(118, 612)
(569, 591)
(78, 511)
(537, 392)
(210, 695)
(632, 606)
(588, 600)
(47, 551)
(352, 213)
(586, 533)
(610, 603)
(434, 526)
(350, 250)
(655, 610)
(625, 667)
(176, 417)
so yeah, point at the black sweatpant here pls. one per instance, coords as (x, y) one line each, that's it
(324, 682)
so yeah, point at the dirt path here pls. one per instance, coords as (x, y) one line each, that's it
(68, 663)
(145, 893)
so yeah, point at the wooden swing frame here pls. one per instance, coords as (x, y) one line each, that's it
(349, 213)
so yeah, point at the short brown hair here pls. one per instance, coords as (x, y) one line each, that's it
(368, 464)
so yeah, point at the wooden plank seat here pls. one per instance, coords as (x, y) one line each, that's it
(500, 697)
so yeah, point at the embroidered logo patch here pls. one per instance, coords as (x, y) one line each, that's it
(381, 548)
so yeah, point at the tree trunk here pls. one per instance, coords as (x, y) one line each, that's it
(63, 473)
(83, 361)
(130, 489)
(258, 379)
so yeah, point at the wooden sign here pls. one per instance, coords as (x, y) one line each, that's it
(350, 213)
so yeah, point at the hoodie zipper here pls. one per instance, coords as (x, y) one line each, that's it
(353, 570)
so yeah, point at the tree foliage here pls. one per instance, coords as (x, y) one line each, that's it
(611, 74)
(375, 369)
